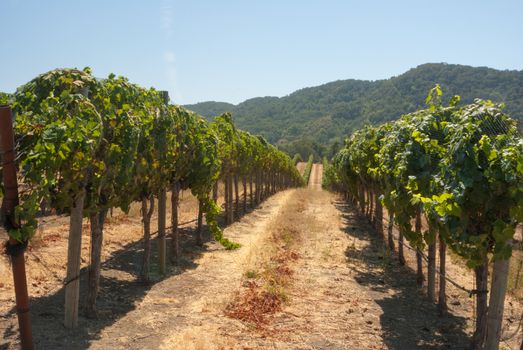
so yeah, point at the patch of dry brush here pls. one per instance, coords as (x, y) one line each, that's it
(264, 291)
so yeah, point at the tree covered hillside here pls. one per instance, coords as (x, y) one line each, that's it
(317, 119)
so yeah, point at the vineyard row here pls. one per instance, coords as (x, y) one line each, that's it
(459, 167)
(85, 145)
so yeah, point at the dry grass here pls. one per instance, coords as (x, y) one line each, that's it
(195, 339)
(270, 273)
(255, 304)
(47, 251)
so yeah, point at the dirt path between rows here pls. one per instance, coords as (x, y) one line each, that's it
(343, 292)
(316, 177)
(181, 304)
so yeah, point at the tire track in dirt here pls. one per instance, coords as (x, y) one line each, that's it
(316, 177)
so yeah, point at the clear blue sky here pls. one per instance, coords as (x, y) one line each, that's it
(233, 50)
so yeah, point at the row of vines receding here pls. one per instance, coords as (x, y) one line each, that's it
(86, 145)
(460, 170)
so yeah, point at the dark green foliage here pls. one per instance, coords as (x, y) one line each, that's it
(308, 169)
(213, 108)
(310, 120)
(304, 147)
(114, 142)
(325, 181)
(297, 158)
(4, 98)
(461, 166)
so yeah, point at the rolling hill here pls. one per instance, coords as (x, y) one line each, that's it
(317, 119)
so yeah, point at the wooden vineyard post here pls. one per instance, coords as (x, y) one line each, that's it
(162, 248)
(257, 188)
(496, 306)
(431, 266)
(479, 336)
(390, 229)
(147, 213)
(97, 220)
(74, 250)
(236, 197)
(401, 255)
(14, 248)
(162, 214)
(226, 199)
(199, 227)
(74, 254)
(175, 244)
(215, 191)
(362, 199)
(370, 196)
(442, 296)
(251, 194)
(244, 180)
(419, 256)
(260, 182)
(379, 214)
(230, 199)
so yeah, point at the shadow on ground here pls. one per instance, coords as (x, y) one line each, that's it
(120, 292)
(409, 320)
